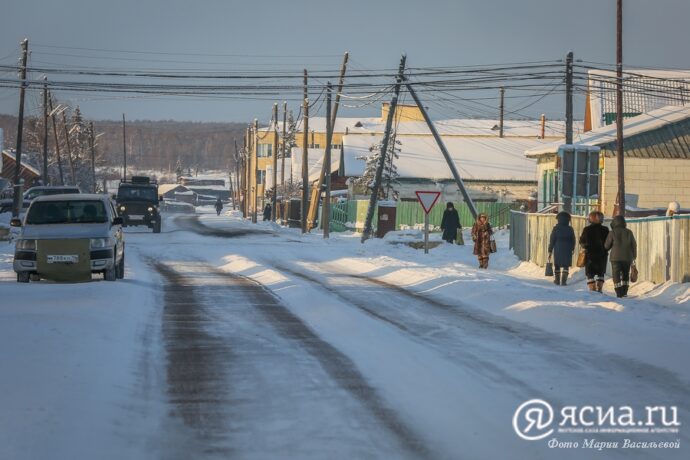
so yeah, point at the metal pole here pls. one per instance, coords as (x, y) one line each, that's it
(274, 197)
(18, 194)
(426, 233)
(45, 130)
(444, 151)
(326, 217)
(366, 234)
(619, 109)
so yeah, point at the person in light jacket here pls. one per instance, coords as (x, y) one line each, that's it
(561, 247)
(450, 224)
(621, 242)
(592, 241)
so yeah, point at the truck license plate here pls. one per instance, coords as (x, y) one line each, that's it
(63, 259)
(136, 217)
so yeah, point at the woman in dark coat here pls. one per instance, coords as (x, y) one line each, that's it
(450, 224)
(267, 211)
(561, 247)
(592, 241)
(623, 246)
(481, 235)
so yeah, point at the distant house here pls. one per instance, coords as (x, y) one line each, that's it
(207, 186)
(177, 192)
(657, 161)
(28, 173)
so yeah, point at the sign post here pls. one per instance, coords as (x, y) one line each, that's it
(427, 200)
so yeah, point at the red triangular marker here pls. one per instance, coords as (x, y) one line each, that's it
(427, 199)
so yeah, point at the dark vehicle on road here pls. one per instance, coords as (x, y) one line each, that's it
(35, 192)
(137, 203)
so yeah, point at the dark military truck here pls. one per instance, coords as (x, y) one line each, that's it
(137, 203)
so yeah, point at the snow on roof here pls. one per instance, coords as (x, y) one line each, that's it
(474, 157)
(11, 156)
(314, 160)
(165, 188)
(450, 127)
(631, 126)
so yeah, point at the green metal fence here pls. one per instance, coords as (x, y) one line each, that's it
(351, 214)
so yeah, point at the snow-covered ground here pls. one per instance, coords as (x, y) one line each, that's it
(371, 350)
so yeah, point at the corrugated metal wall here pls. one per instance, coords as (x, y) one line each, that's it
(663, 243)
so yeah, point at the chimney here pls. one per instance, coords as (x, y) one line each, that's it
(543, 126)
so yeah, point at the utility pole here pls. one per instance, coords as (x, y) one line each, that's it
(326, 217)
(568, 201)
(305, 158)
(274, 197)
(237, 187)
(57, 140)
(384, 149)
(501, 110)
(92, 140)
(18, 193)
(569, 98)
(619, 109)
(451, 165)
(124, 149)
(45, 130)
(316, 191)
(69, 149)
(284, 150)
(255, 170)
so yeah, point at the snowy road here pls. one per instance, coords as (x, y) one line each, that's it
(228, 342)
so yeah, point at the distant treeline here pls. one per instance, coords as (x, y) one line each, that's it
(151, 144)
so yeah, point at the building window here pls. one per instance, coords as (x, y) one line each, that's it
(260, 176)
(315, 146)
(265, 150)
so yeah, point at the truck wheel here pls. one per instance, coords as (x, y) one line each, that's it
(121, 268)
(23, 277)
(111, 273)
(157, 227)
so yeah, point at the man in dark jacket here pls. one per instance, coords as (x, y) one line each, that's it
(592, 241)
(621, 242)
(450, 223)
(562, 246)
(267, 211)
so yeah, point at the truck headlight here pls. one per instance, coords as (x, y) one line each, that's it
(102, 243)
(122, 209)
(150, 208)
(29, 245)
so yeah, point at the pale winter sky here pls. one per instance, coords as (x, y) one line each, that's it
(247, 34)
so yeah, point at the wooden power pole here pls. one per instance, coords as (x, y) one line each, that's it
(305, 158)
(373, 199)
(72, 170)
(57, 140)
(283, 152)
(274, 195)
(45, 131)
(620, 152)
(255, 170)
(92, 145)
(124, 149)
(326, 217)
(18, 192)
(316, 191)
(501, 112)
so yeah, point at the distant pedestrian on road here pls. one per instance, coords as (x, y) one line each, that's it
(592, 242)
(267, 211)
(561, 247)
(481, 235)
(219, 206)
(450, 224)
(623, 246)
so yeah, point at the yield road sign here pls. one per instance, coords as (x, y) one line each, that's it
(427, 199)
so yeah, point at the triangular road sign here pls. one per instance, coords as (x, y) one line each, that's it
(427, 199)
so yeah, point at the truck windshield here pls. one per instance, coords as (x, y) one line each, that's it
(66, 212)
(137, 193)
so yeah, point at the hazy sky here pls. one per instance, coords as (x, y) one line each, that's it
(431, 32)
